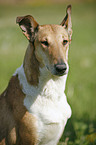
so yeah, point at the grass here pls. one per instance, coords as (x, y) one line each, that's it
(81, 83)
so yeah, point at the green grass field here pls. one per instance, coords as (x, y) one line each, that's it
(81, 83)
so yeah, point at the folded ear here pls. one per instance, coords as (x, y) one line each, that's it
(28, 26)
(67, 21)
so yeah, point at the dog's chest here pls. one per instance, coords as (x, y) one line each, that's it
(51, 110)
(51, 118)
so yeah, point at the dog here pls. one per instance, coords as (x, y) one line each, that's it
(34, 108)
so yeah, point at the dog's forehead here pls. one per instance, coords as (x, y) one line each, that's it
(47, 31)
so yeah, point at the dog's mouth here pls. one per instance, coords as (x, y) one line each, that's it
(58, 70)
(61, 73)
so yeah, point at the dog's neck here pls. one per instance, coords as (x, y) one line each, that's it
(48, 86)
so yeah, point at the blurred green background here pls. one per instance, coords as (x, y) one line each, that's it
(81, 82)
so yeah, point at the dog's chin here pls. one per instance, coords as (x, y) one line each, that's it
(60, 73)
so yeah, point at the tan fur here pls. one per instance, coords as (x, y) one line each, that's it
(31, 66)
(16, 124)
(56, 51)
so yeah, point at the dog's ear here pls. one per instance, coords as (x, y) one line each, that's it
(67, 21)
(28, 25)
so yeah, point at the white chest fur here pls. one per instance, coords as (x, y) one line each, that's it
(47, 102)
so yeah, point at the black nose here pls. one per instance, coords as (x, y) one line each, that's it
(60, 68)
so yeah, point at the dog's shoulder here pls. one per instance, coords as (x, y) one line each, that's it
(12, 113)
(11, 101)
(7, 107)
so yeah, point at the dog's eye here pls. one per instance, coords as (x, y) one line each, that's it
(65, 42)
(45, 43)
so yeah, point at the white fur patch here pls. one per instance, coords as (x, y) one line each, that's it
(48, 103)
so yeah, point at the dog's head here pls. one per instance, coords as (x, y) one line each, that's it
(51, 42)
